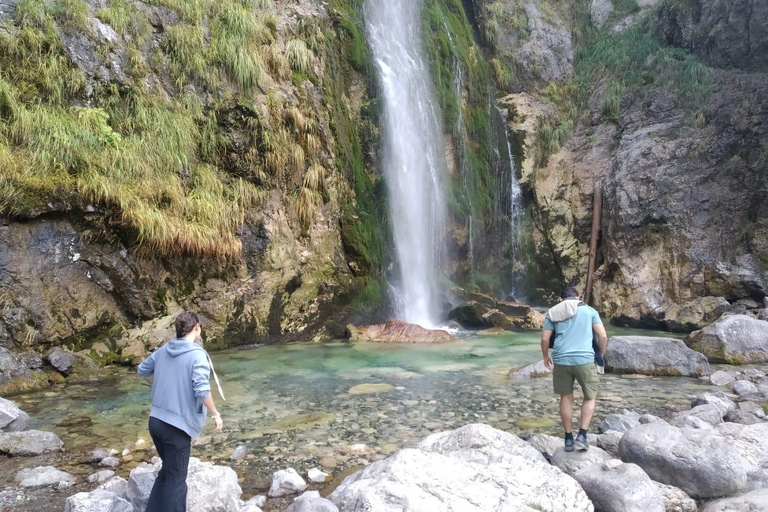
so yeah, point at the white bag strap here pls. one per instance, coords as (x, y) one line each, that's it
(215, 377)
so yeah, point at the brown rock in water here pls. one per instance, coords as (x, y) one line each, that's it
(397, 331)
(488, 312)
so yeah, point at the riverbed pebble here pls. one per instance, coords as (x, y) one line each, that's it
(286, 482)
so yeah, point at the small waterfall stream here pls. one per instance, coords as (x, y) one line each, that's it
(413, 157)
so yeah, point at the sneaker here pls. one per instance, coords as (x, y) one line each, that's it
(581, 443)
(569, 444)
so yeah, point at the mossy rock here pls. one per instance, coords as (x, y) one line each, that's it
(34, 381)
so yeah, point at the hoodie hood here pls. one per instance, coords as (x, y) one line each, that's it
(565, 310)
(179, 346)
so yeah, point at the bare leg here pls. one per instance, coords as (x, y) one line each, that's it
(566, 411)
(587, 410)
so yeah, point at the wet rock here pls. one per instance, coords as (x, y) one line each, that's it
(12, 419)
(286, 482)
(750, 442)
(60, 359)
(311, 502)
(619, 422)
(100, 454)
(29, 443)
(751, 502)
(364, 389)
(109, 462)
(396, 331)
(99, 500)
(700, 462)
(475, 314)
(317, 476)
(753, 374)
(474, 468)
(531, 371)
(722, 378)
(209, 488)
(239, 453)
(734, 339)
(609, 441)
(101, 476)
(647, 355)
(614, 486)
(744, 388)
(572, 462)
(676, 500)
(43, 476)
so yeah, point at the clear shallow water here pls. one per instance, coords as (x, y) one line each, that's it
(306, 405)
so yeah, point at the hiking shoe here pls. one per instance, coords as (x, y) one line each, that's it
(581, 443)
(569, 444)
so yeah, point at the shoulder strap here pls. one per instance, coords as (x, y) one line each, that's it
(215, 377)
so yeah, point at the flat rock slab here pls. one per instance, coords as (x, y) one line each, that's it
(700, 462)
(734, 339)
(572, 462)
(649, 355)
(29, 443)
(99, 500)
(43, 476)
(363, 389)
(614, 486)
(475, 468)
(396, 331)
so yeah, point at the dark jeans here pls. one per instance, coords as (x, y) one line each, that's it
(169, 494)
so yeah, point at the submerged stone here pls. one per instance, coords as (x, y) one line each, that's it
(362, 389)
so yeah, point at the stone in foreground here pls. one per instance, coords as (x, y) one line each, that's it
(648, 355)
(97, 501)
(619, 422)
(209, 488)
(614, 486)
(396, 331)
(311, 501)
(573, 462)
(734, 339)
(43, 476)
(12, 419)
(700, 462)
(676, 500)
(475, 468)
(755, 501)
(29, 443)
(285, 482)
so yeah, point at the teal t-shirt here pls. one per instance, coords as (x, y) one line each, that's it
(573, 337)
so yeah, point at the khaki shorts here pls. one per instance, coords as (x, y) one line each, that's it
(563, 377)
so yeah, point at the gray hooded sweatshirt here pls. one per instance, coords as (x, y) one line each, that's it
(181, 382)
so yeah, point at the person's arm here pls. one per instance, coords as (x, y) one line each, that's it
(602, 338)
(147, 367)
(546, 335)
(201, 385)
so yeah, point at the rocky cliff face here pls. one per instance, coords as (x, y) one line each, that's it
(681, 161)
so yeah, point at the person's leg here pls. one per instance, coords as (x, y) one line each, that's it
(156, 430)
(588, 379)
(562, 379)
(176, 463)
(587, 410)
(566, 412)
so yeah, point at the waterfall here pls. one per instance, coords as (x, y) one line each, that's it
(515, 211)
(413, 156)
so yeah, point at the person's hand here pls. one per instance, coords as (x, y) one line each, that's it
(548, 363)
(219, 423)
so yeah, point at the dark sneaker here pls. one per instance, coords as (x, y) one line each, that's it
(581, 443)
(569, 444)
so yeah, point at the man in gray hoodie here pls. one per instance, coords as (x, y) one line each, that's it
(180, 372)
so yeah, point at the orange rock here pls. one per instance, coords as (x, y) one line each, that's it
(397, 331)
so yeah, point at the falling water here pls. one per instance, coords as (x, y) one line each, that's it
(413, 156)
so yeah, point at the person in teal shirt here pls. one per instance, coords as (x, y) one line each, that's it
(571, 325)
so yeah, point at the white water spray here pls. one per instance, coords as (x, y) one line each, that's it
(413, 156)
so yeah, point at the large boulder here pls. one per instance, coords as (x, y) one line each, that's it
(12, 419)
(614, 486)
(99, 500)
(530, 371)
(209, 488)
(709, 414)
(717, 399)
(754, 501)
(699, 462)
(649, 355)
(43, 476)
(734, 339)
(573, 462)
(750, 442)
(396, 331)
(474, 468)
(29, 443)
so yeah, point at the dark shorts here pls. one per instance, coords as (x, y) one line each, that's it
(586, 375)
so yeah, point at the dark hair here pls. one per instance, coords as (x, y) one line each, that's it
(569, 292)
(184, 323)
